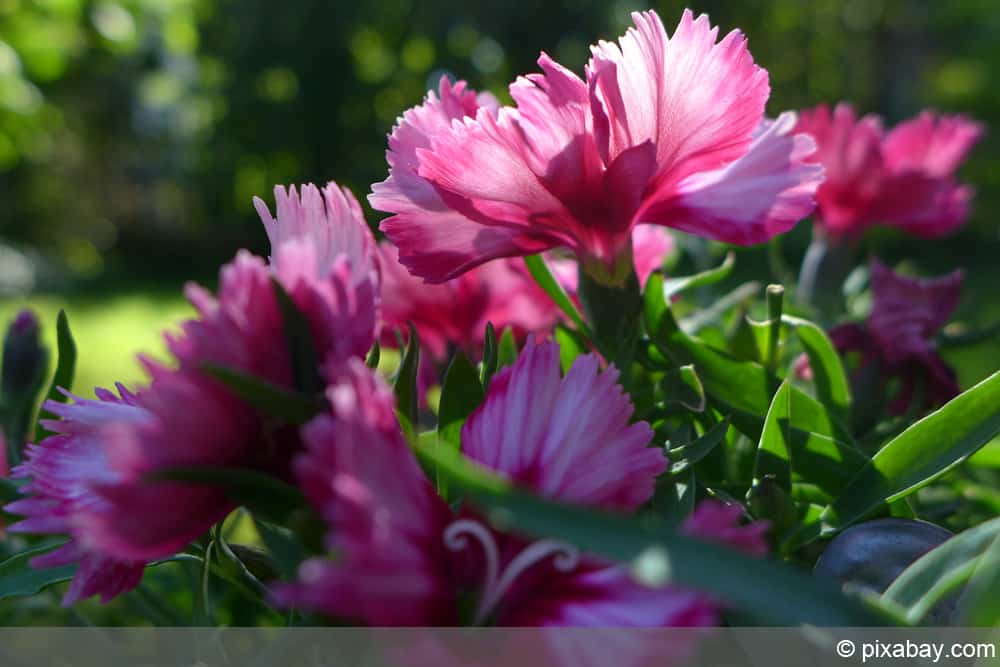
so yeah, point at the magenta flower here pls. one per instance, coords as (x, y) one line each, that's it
(317, 237)
(454, 314)
(61, 470)
(669, 131)
(403, 557)
(897, 340)
(95, 480)
(904, 178)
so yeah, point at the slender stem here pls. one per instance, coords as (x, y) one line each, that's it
(775, 297)
(613, 312)
(206, 575)
(825, 266)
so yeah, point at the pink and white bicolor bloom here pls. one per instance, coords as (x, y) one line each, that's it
(325, 256)
(898, 337)
(904, 178)
(96, 480)
(668, 131)
(404, 557)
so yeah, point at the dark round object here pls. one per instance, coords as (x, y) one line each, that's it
(871, 555)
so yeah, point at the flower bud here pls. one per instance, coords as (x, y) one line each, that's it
(24, 359)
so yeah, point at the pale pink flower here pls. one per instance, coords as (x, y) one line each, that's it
(904, 178)
(403, 557)
(669, 131)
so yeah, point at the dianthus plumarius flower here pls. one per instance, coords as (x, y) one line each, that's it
(668, 131)
(63, 470)
(896, 342)
(904, 178)
(95, 479)
(454, 314)
(402, 556)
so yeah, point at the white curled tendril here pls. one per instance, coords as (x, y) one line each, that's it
(565, 558)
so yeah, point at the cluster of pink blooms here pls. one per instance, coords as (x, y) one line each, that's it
(904, 178)
(660, 132)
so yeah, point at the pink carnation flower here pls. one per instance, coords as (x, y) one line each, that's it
(904, 178)
(61, 472)
(454, 314)
(669, 131)
(93, 480)
(319, 236)
(897, 340)
(403, 557)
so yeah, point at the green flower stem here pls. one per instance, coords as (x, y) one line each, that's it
(826, 265)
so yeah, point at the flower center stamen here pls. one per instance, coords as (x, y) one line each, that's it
(496, 584)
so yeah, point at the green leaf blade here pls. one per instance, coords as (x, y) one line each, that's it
(540, 271)
(302, 352)
(832, 386)
(774, 449)
(922, 453)
(65, 370)
(405, 385)
(270, 399)
(18, 578)
(461, 394)
(674, 286)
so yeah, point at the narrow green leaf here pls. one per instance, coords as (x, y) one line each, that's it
(507, 349)
(65, 370)
(674, 498)
(66, 364)
(775, 297)
(832, 386)
(301, 349)
(571, 346)
(682, 385)
(922, 453)
(941, 571)
(490, 355)
(287, 553)
(688, 455)
(539, 270)
(822, 447)
(806, 530)
(262, 494)
(717, 310)
(742, 385)
(980, 604)
(18, 578)
(745, 582)
(374, 356)
(774, 450)
(270, 399)
(461, 394)
(407, 396)
(674, 286)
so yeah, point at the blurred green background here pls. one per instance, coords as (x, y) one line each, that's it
(133, 133)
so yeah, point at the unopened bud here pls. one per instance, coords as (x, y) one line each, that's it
(24, 359)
